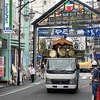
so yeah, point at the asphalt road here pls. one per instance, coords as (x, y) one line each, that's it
(37, 91)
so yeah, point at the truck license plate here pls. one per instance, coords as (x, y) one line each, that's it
(60, 86)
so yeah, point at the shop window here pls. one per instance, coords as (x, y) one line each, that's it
(97, 41)
(4, 43)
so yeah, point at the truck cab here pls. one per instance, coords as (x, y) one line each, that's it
(62, 73)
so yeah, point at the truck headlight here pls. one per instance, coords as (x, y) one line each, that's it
(73, 81)
(48, 81)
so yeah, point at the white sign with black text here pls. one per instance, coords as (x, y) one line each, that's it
(49, 45)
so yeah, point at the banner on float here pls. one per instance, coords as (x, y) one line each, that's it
(8, 16)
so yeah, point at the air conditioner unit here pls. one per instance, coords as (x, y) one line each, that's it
(13, 32)
(14, 28)
(21, 33)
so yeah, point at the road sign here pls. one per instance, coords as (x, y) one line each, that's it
(39, 56)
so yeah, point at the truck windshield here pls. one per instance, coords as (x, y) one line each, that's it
(64, 64)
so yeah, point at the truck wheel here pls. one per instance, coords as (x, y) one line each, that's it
(49, 90)
(76, 87)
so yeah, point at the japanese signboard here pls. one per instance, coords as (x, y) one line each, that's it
(69, 32)
(7, 16)
(1, 66)
(49, 45)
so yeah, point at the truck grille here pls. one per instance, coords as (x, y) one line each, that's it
(60, 81)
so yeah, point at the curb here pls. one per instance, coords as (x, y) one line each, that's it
(4, 86)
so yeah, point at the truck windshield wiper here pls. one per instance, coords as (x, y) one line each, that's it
(50, 70)
(63, 70)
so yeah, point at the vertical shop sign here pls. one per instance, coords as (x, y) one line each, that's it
(8, 16)
(1, 66)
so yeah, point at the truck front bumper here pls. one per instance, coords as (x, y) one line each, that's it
(61, 86)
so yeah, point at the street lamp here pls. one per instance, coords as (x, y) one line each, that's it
(18, 78)
(20, 8)
(28, 16)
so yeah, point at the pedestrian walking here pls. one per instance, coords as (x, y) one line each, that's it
(42, 70)
(32, 72)
(38, 69)
(94, 80)
(29, 75)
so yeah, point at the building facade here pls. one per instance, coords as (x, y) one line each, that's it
(39, 7)
(10, 42)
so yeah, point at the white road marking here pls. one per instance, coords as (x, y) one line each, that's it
(84, 77)
(21, 89)
(90, 77)
(39, 83)
(86, 74)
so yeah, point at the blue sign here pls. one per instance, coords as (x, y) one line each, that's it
(90, 56)
(89, 32)
(39, 56)
(97, 55)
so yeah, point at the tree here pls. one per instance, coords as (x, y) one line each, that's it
(42, 43)
(75, 26)
(43, 49)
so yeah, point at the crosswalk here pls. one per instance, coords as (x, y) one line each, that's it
(85, 76)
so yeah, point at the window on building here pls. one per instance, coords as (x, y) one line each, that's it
(45, 2)
(97, 41)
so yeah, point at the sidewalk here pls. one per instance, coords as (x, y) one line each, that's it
(3, 85)
(26, 82)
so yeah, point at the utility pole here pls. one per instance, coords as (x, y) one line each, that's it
(19, 54)
(18, 79)
(92, 3)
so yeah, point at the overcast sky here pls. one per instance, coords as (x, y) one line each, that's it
(80, 0)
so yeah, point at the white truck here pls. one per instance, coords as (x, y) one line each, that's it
(62, 73)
